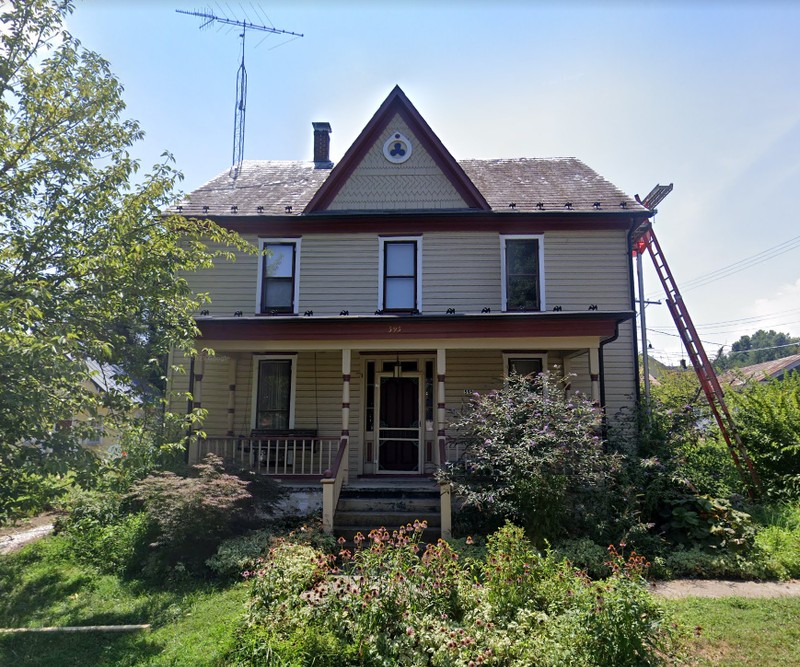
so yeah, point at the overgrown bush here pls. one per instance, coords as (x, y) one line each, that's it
(398, 605)
(239, 554)
(768, 417)
(533, 456)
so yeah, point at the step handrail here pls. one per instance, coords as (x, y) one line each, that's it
(332, 481)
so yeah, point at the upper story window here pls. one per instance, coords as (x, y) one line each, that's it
(400, 274)
(278, 276)
(523, 274)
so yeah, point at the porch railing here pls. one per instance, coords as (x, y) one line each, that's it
(282, 457)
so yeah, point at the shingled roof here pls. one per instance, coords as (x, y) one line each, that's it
(538, 185)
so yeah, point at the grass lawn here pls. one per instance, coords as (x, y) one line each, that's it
(742, 631)
(192, 624)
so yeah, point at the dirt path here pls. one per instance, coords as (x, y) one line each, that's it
(711, 588)
(15, 537)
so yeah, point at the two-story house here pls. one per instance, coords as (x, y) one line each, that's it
(394, 285)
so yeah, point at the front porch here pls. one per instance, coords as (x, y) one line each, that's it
(339, 417)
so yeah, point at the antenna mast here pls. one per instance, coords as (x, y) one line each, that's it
(241, 78)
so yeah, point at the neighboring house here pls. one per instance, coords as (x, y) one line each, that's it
(104, 379)
(394, 285)
(763, 372)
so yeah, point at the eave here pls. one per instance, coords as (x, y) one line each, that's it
(416, 222)
(602, 325)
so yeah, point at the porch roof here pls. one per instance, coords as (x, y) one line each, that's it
(416, 327)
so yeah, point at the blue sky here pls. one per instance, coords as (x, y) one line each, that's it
(705, 95)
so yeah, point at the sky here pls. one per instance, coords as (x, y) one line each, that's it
(704, 95)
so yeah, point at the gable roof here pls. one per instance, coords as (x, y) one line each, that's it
(268, 187)
(397, 104)
(295, 188)
(762, 372)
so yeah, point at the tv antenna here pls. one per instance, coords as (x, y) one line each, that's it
(241, 77)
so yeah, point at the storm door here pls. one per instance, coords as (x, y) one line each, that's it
(400, 433)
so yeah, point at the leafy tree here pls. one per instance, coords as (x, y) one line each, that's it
(761, 346)
(89, 266)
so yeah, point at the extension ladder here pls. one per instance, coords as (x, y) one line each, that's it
(702, 366)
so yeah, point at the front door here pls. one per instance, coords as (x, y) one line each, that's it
(399, 406)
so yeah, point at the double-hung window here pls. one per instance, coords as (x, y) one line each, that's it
(523, 276)
(278, 276)
(400, 274)
(273, 392)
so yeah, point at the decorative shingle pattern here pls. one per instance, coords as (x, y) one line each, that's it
(539, 185)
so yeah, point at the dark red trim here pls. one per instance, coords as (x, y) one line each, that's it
(415, 223)
(440, 377)
(346, 377)
(396, 103)
(413, 328)
(441, 433)
(345, 432)
(441, 406)
(198, 377)
(231, 411)
(231, 387)
(345, 405)
(595, 377)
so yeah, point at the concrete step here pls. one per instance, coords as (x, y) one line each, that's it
(379, 504)
(369, 520)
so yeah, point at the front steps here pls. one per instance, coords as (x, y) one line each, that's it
(389, 502)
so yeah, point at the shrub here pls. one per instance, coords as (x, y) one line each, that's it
(192, 515)
(99, 533)
(400, 606)
(533, 456)
(768, 417)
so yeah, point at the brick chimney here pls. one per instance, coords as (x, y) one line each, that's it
(322, 145)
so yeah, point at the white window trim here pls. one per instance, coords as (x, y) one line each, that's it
(254, 393)
(507, 356)
(381, 254)
(503, 277)
(260, 285)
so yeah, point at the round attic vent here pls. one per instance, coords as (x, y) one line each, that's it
(397, 148)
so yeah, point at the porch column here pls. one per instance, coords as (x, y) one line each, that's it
(196, 385)
(346, 357)
(594, 373)
(197, 389)
(445, 501)
(232, 363)
(441, 361)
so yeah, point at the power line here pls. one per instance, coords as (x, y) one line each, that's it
(740, 265)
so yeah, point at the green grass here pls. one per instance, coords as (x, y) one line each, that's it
(192, 623)
(739, 632)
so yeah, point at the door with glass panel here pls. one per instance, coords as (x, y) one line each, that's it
(399, 406)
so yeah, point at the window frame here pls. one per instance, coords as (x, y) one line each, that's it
(508, 356)
(383, 241)
(261, 308)
(504, 238)
(257, 359)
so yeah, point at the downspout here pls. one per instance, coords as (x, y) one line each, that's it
(603, 379)
(638, 382)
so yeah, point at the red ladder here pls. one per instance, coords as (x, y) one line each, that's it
(702, 366)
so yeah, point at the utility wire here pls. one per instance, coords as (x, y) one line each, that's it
(740, 265)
